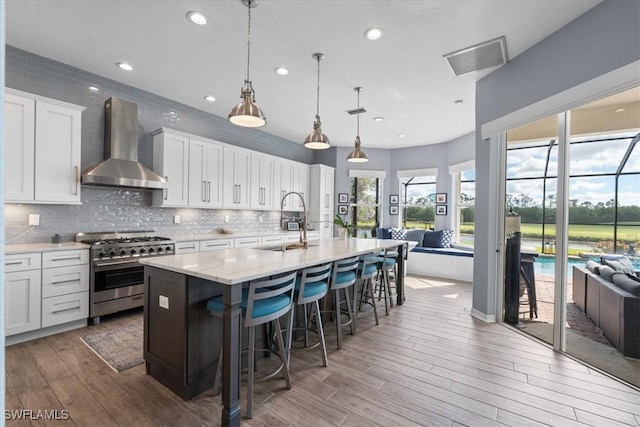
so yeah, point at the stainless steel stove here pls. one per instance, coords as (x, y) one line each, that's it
(116, 277)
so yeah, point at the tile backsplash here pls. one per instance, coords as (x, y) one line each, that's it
(110, 209)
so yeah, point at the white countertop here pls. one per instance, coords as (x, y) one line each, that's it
(232, 266)
(43, 247)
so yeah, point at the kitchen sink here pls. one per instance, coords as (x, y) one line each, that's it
(287, 247)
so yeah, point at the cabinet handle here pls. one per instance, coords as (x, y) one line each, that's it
(77, 175)
(239, 194)
(166, 191)
(208, 191)
(203, 191)
(66, 258)
(188, 247)
(56, 282)
(13, 263)
(75, 307)
(213, 245)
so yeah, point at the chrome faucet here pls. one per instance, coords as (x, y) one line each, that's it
(303, 226)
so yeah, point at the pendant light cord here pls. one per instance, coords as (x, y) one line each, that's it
(358, 116)
(318, 91)
(249, 41)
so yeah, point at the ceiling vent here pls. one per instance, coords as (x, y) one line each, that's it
(478, 57)
(359, 110)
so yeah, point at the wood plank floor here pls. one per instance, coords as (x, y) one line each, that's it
(427, 363)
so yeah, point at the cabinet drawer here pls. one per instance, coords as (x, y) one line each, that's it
(64, 258)
(248, 242)
(313, 235)
(268, 240)
(65, 280)
(22, 262)
(216, 245)
(292, 237)
(65, 308)
(187, 247)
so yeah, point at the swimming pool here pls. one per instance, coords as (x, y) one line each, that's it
(547, 265)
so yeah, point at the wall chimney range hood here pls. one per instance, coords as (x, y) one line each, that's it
(121, 167)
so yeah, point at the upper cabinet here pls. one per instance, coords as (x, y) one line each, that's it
(171, 160)
(262, 177)
(42, 149)
(205, 174)
(291, 177)
(321, 182)
(236, 193)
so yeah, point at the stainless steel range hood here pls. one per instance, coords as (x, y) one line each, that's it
(120, 167)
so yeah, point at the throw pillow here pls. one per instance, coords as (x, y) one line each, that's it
(383, 233)
(593, 266)
(447, 237)
(623, 265)
(633, 277)
(607, 272)
(623, 282)
(432, 239)
(397, 233)
(414, 235)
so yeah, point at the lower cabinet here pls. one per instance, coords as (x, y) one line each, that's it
(65, 308)
(215, 245)
(187, 247)
(22, 303)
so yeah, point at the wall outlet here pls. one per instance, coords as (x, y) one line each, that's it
(34, 219)
(176, 219)
(163, 301)
(226, 218)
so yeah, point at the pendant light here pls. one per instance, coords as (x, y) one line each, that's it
(247, 113)
(357, 155)
(316, 140)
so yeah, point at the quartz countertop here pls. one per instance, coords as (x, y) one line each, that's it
(214, 236)
(232, 266)
(43, 247)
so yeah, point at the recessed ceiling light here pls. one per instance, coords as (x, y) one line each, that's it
(458, 101)
(281, 71)
(378, 119)
(402, 135)
(197, 18)
(210, 98)
(93, 89)
(124, 66)
(373, 33)
(619, 110)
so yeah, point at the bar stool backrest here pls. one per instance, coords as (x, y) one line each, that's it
(320, 273)
(364, 263)
(274, 296)
(344, 266)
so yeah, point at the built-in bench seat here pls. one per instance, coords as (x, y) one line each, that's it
(447, 263)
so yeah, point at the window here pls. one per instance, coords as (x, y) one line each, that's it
(465, 207)
(365, 204)
(418, 198)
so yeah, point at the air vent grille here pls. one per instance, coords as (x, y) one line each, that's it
(478, 57)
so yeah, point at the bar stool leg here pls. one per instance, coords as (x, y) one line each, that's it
(352, 317)
(250, 370)
(282, 350)
(325, 361)
(338, 318)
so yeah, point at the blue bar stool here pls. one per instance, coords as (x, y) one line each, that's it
(367, 268)
(344, 275)
(386, 263)
(311, 287)
(263, 302)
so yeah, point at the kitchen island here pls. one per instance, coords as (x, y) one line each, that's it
(181, 340)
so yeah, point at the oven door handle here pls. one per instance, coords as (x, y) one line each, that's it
(123, 264)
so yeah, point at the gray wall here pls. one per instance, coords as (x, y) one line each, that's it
(116, 209)
(603, 39)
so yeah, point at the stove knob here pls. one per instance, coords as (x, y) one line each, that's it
(112, 253)
(133, 251)
(151, 250)
(142, 250)
(123, 252)
(159, 249)
(168, 248)
(102, 254)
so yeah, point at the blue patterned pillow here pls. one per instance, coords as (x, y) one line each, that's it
(432, 239)
(445, 240)
(414, 235)
(397, 233)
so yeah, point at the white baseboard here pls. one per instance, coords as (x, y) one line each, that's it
(489, 318)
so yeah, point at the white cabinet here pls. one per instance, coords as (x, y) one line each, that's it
(236, 178)
(65, 286)
(321, 196)
(42, 149)
(22, 293)
(290, 176)
(216, 245)
(262, 177)
(187, 247)
(300, 184)
(205, 174)
(247, 242)
(273, 240)
(171, 160)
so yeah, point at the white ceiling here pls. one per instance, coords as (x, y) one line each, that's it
(403, 75)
